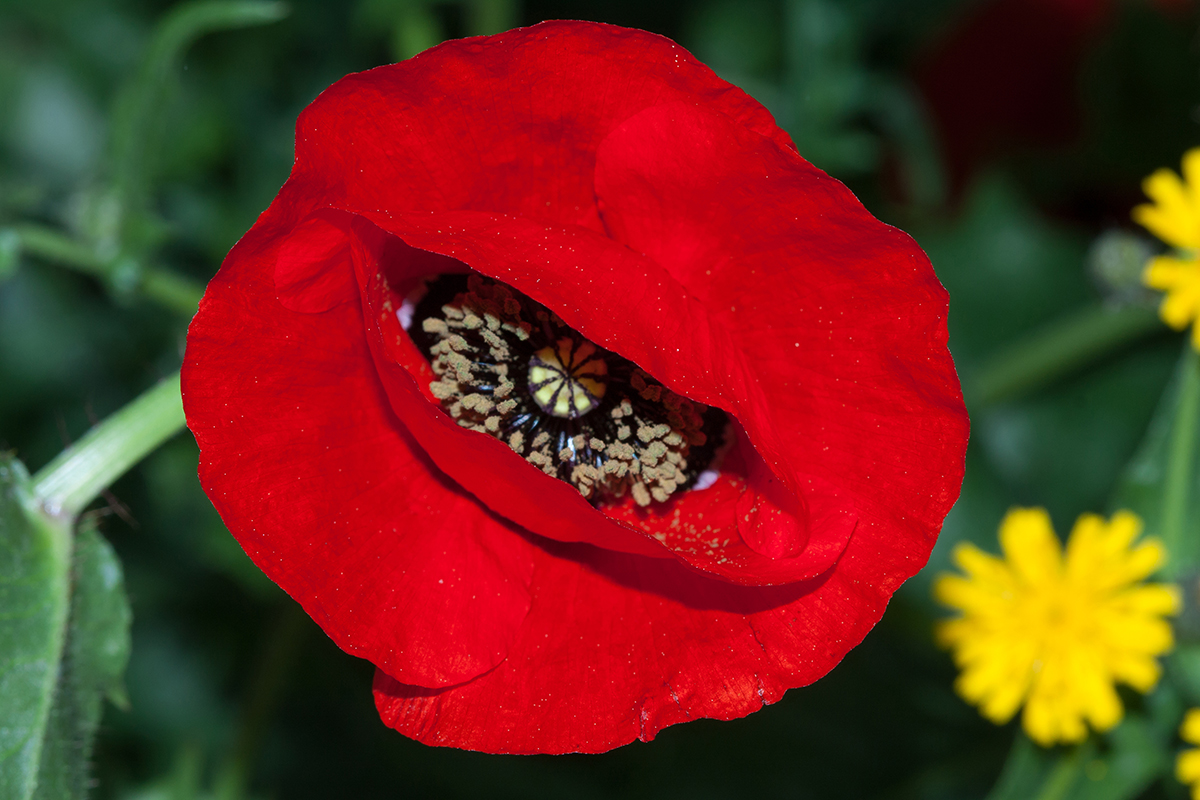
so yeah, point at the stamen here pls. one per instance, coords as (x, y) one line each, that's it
(511, 368)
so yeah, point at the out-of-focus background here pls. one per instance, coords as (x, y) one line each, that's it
(1009, 137)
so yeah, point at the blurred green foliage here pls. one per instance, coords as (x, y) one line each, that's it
(232, 693)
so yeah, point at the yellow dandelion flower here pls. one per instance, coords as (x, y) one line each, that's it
(1187, 767)
(1174, 216)
(1056, 631)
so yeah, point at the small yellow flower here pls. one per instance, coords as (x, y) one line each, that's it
(1187, 768)
(1053, 632)
(1174, 217)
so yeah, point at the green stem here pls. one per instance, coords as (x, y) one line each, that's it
(1065, 345)
(1023, 760)
(1062, 777)
(172, 291)
(81, 472)
(265, 690)
(168, 289)
(1180, 465)
(50, 245)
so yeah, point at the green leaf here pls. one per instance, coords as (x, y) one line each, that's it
(98, 641)
(97, 650)
(1160, 482)
(35, 553)
(64, 642)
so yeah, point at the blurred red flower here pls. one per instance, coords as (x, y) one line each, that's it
(632, 201)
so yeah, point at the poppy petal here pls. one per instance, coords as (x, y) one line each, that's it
(504, 124)
(659, 211)
(312, 268)
(329, 495)
(840, 316)
(651, 644)
(631, 310)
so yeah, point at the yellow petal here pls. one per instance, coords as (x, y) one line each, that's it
(1122, 529)
(1039, 723)
(1169, 272)
(1087, 544)
(1102, 705)
(1173, 216)
(1030, 546)
(1151, 599)
(1166, 225)
(1005, 702)
(1138, 671)
(1164, 188)
(1191, 175)
(971, 597)
(1187, 768)
(979, 564)
(1189, 731)
(1143, 560)
(950, 632)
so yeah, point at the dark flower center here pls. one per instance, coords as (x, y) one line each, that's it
(509, 367)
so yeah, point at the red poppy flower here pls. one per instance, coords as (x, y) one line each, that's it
(555, 383)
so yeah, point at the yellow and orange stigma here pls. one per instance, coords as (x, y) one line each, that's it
(568, 379)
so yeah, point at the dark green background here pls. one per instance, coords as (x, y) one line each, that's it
(1005, 164)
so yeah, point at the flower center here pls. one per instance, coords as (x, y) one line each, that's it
(509, 367)
(568, 379)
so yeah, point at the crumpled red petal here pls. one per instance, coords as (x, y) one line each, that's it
(505, 124)
(840, 316)
(330, 496)
(617, 647)
(638, 322)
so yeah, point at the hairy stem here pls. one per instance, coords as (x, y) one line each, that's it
(81, 472)
(167, 288)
